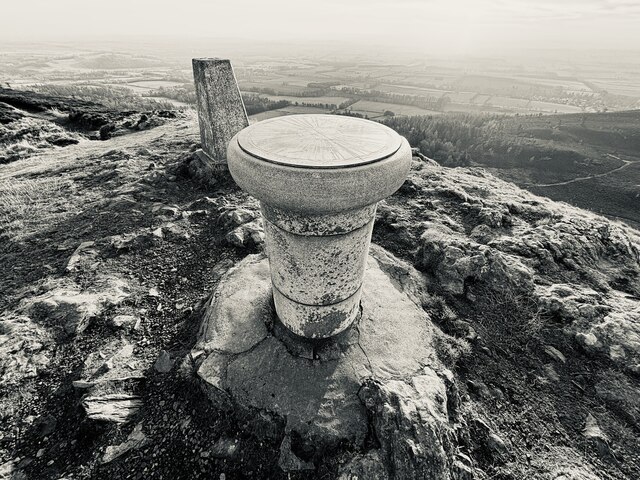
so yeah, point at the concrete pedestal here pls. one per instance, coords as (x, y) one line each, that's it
(318, 178)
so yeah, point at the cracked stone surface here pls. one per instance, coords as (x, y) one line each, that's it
(246, 364)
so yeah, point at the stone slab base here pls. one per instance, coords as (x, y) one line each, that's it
(326, 391)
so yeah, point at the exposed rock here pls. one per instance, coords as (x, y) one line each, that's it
(574, 473)
(479, 388)
(403, 276)
(495, 216)
(225, 447)
(114, 364)
(141, 239)
(289, 461)
(497, 445)
(135, 440)
(68, 306)
(40, 102)
(166, 210)
(563, 463)
(9, 471)
(410, 421)
(454, 260)
(175, 230)
(476, 233)
(247, 235)
(229, 324)
(593, 432)
(246, 227)
(602, 323)
(206, 204)
(124, 321)
(570, 303)
(115, 407)
(555, 354)
(482, 234)
(213, 372)
(198, 167)
(83, 254)
(368, 466)
(463, 469)
(236, 217)
(487, 440)
(163, 364)
(23, 349)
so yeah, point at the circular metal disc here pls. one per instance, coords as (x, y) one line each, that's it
(319, 141)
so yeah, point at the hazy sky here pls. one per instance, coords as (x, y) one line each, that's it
(459, 26)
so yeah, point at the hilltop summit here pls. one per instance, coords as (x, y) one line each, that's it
(110, 250)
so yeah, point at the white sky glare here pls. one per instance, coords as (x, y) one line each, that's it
(459, 26)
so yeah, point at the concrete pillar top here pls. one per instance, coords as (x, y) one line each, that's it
(319, 164)
(319, 141)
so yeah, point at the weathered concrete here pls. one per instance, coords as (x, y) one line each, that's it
(320, 392)
(318, 178)
(221, 112)
(317, 269)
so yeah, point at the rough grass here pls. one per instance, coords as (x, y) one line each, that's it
(27, 136)
(508, 315)
(24, 203)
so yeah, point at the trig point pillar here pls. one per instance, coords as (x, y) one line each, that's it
(318, 178)
(221, 112)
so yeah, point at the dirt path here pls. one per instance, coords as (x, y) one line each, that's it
(589, 177)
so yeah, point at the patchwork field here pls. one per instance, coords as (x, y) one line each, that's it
(322, 99)
(379, 108)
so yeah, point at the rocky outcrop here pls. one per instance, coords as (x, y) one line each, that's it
(477, 234)
(410, 420)
(455, 260)
(24, 349)
(67, 306)
(112, 407)
(31, 122)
